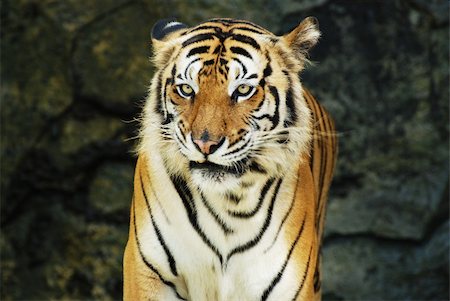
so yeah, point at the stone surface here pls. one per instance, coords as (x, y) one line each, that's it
(112, 188)
(417, 271)
(112, 58)
(73, 14)
(390, 208)
(72, 77)
(36, 84)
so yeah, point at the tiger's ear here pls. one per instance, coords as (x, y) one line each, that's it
(302, 38)
(164, 27)
(163, 32)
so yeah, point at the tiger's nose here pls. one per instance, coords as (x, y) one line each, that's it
(206, 147)
(205, 144)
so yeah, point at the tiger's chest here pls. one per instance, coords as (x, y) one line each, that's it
(214, 252)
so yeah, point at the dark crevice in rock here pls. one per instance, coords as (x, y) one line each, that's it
(438, 15)
(431, 228)
(122, 111)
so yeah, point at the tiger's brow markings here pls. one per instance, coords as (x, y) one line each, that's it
(198, 50)
(246, 40)
(203, 27)
(198, 38)
(244, 69)
(188, 66)
(241, 51)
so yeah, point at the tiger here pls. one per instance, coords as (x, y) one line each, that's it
(235, 161)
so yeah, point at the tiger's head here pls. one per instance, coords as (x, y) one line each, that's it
(226, 103)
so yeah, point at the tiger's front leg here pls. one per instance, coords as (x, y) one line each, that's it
(140, 282)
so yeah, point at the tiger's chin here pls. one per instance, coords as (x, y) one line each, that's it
(209, 176)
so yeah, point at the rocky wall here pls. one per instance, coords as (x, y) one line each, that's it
(73, 78)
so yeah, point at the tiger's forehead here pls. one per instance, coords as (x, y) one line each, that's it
(227, 31)
(231, 26)
(224, 47)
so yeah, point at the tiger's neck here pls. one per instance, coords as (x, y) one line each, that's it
(233, 218)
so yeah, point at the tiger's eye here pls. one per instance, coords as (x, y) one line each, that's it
(243, 89)
(185, 90)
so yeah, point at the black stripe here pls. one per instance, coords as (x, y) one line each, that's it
(145, 260)
(276, 118)
(304, 277)
(248, 23)
(326, 129)
(198, 38)
(254, 241)
(246, 40)
(291, 108)
(239, 148)
(173, 72)
(323, 160)
(244, 69)
(262, 196)
(317, 143)
(218, 49)
(250, 29)
(188, 66)
(198, 50)
(277, 278)
(158, 101)
(317, 281)
(268, 69)
(284, 219)
(234, 198)
(221, 21)
(225, 228)
(172, 263)
(186, 197)
(256, 167)
(241, 51)
(204, 27)
(254, 75)
(232, 21)
(162, 100)
(208, 62)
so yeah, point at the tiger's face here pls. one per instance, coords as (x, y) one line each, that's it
(226, 102)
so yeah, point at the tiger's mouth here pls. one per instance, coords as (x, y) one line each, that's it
(219, 173)
(211, 169)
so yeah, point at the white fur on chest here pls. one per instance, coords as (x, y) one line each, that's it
(210, 264)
